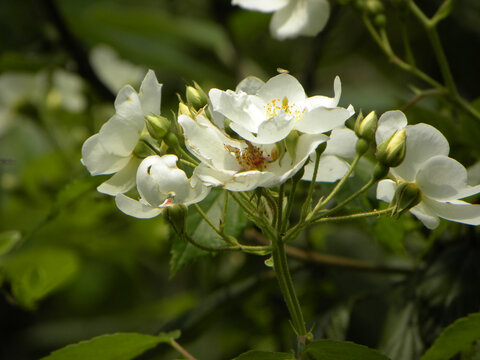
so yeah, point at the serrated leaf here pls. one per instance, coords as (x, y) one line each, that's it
(35, 273)
(264, 355)
(340, 350)
(455, 338)
(120, 346)
(183, 252)
(8, 239)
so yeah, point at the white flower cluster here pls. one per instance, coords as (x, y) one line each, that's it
(260, 135)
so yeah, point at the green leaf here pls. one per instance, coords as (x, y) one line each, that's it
(35, 273)
(184, 252)
(8, 239)
(264, 355)
(121, 346)
(340, 350)
(389, 232)
(455, 338)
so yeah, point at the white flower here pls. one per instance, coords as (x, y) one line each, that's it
(161, 184)
(291, 18)
(111, 150)
(265, 113)
(332, 165)
(441, 180)
(239, 165)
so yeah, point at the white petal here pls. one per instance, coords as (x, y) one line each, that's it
(250, 85)
(459, 211)
(322, 119)
(330, 169)
(128, 106)
(122, 181)
(443, 178)
(207, 142)
(281, 86)
(270, 131)
(342, 143)
(250, 180)
(97, 160)
(198, 191)
(150, 94)
(261, 5)
(135, 208)
(423, 213)
(389, 123)
(423, 142)
(323, 101)
(301, 17)
(386, 190)
(118, 136)
(241, 108)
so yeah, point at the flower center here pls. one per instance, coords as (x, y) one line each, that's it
(252, 157)
(274, 107)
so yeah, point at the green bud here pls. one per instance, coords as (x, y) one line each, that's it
(362, 146)
(380, 20)
(374, 6)
(366, 127)
(157, 126)
(406, 197)
(183, 109)
(176, 215)
(172, 140)
(380, 171)
(142, 150)
(391, 152)
(321, 148)
(193, 98)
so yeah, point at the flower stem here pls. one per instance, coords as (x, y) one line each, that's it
(353, 216)
(229, 239)
(181, 350)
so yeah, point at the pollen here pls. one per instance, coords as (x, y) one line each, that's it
(252, 157)
(276, 106)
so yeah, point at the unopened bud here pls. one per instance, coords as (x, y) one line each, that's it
(391, 152)
(176, 215)
(183, 109)
(172, 140)
(380, 171)
(366, 127)
(157, 126)
(196, 97)
(374, 6)
(362, 146)
(380, 20)
(406, 197)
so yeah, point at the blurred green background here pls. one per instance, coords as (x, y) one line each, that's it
(73, 267)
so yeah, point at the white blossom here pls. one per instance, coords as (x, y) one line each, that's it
(265, 113)
(161, 184)
(441, 180)
(240, 165)
(111, 150)
(291, 18)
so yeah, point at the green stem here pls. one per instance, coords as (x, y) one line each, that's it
(288, 290)
(353, 216)
(280, 208)
(229, 239)
(431, 29)
(288, 210)
(336, 189)
(181, 350)
(308, 201)
(211, 248)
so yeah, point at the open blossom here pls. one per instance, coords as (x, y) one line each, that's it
(333, 163)
(161, 184)
(111, 150)
(265, 113)
(240, 165)
(291, 18)
(441, 180)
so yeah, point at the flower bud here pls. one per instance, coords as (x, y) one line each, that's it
(406, 197)
(380, 20)
(183, 109)
(157, 126)
(391, 152)
(362, 146)
(374, 6)
(142, 150)
(321, 148)
(176, 215)
(172, 140)
(380, 171)
(366, 127)
(196, 97)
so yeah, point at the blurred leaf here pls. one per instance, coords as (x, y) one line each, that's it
(121, 346)
(339, 350)
(264, 355)
(337, 322)
(35, 273)
(455, 338)
(8, 239)
(401, 338)
(389, 232)
(183, 252)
